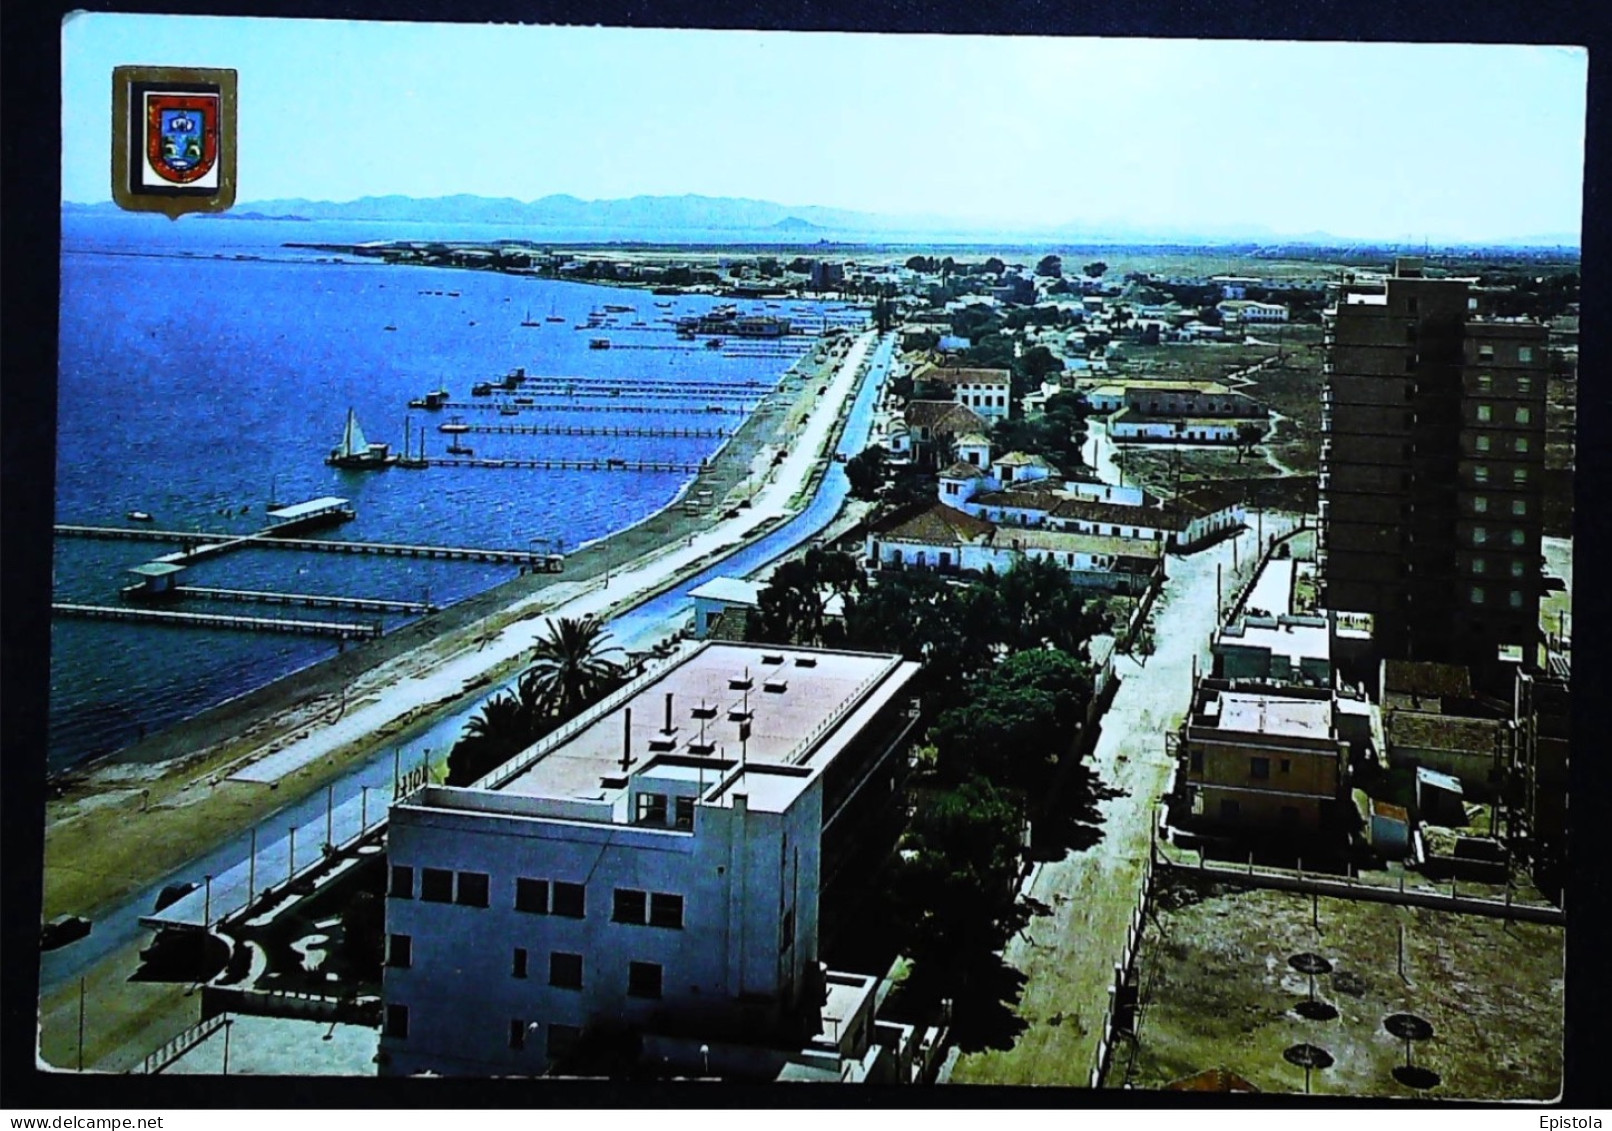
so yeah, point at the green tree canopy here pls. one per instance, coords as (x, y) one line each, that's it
(793, 607)
(865, 471)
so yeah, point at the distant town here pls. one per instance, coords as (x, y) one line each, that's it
(1173, 695)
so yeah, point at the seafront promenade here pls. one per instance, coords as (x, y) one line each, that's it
(267, 779)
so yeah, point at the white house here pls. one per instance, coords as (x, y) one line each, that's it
(987, 391)
(974, 448)
(946, 539)
(1136, 427)
(1250, 311)
(726, 594)
(653, 870)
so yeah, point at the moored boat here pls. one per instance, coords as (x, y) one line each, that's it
(355, 453)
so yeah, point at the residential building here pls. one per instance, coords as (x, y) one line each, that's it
(1433, 717)
(652, 876)
(724, 596)
(988, 392)
(826, 276)
(1431, 472)
(949, 540)
(931, 425)
(1248, 311)
(1262, 759)
(1136, 427)
(1234, 286)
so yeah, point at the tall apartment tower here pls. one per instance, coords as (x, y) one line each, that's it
(1433, 424)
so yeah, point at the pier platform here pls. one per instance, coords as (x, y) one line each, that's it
(219, 543)
(341, 630)
(690, 433)
(569, 464)
(305, 600)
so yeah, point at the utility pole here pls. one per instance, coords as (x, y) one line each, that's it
(81, 1024)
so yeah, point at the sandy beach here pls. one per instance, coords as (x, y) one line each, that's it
(122, 823)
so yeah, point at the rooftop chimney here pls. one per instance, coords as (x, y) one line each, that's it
(667, 729)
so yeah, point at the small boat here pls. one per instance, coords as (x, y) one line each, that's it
(389, 326)
(433, 400)
(454, 426)
(713, 344)
(554, 318)
(412, 462)
(508, 410)
(355, 453)
(138, 516)
(664, 305)
(453, 294)
(482, 389)
(599, 343)
(528, 321)
(458, 449)
(617, 308)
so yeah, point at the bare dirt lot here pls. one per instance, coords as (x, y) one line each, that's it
(1217, 990)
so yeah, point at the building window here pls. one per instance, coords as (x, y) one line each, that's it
(1480, 473)
(1519, 506)
(1482, 443)
(436, 885)
(472, 889)
(397, 1021)
(562, 1040)
(1195, 761)
(1485, 413)
(1485, 382)
(400, 951)
(685, 813)
(666, 910)
(1521, 444)
(1518, 538)
(1480, 504)
(1525, 384)
(1524, 415)
(1480, 535)
(651, 808)
(1525, 354)
(1485, 353)
(532, 895)
(643, 979)
(1519, 475)
(630, 906)
(1478, 565)
(1287, 765)
(568, 900)
(1259, 768)
(517, 1034)
(402, 882)
(1477, 594)
(1516, 599)
(1516, 569)
(518, 966)
(565, 970)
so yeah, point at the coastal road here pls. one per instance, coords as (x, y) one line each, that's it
(1067, 956)
(640, 621)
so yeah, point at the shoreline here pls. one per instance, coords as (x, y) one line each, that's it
(186, 767)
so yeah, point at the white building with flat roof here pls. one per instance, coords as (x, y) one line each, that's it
(651, 873)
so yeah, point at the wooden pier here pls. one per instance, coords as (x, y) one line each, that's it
(305, 600)
(341, 630)
(570, 464)
(220, 542)
(690, 433)
(550, 406)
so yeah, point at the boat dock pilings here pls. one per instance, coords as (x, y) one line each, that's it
(714, 409)
(572, 464)
(341, 630)
(305, 600)
(315, 545)
(591, 430)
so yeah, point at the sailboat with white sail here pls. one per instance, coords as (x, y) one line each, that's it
(355, 453)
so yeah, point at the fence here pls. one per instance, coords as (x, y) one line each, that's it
(177, 1047)
(1108, 1031)
(1350, 886)
(218, 1000)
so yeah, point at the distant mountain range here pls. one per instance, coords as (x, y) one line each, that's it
(671, 214)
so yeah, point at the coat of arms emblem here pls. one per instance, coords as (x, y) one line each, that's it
(173, 139)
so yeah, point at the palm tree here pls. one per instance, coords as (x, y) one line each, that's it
(570, 668)
(504, 727)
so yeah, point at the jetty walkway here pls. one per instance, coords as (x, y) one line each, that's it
(339, 629)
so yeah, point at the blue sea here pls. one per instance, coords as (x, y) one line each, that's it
(204, 366)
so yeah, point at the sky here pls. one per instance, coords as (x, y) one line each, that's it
(1390, 141)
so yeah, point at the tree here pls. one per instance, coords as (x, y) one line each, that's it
(1249, 433)
(1016, 722)
(793, 607)
(1051, 266)
(504, 727)
(570, 668)
(1042, 607)
(865, 470)
(956, 881)
(1095, 270)
(1039, 363)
